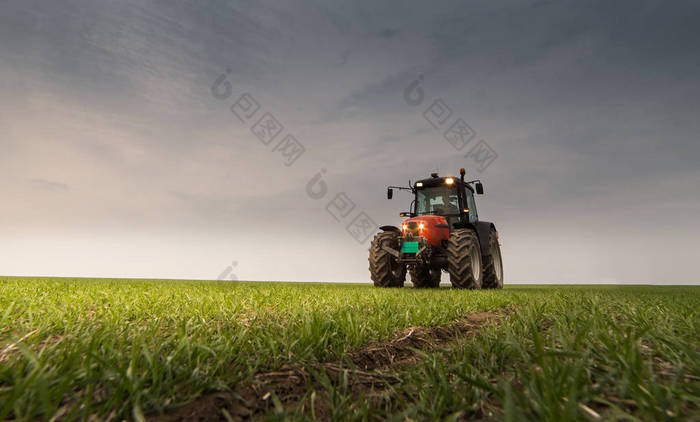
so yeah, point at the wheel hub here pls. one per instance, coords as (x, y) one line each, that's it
(476, 263)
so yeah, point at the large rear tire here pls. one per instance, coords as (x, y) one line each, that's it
(493, 264)
(384, 269)
(464, 259)
(423, 276)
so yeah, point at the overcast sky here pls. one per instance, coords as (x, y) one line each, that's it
(120, 155)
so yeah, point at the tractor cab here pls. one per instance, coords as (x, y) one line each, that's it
(444, 196)
(449, 197)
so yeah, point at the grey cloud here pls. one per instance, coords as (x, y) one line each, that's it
(375, 95)
(49, 185)
(388, 33)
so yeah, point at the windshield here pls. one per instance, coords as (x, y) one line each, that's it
(440, 200)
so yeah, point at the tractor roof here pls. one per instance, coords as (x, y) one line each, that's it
(436, 181)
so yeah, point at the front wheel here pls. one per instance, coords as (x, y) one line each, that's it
(464, 259)
(423, 276)
(384, 269)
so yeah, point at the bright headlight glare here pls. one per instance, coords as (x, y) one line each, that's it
(419, 184)
(449, 181)
(420, 226)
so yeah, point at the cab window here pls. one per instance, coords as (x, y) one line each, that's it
(437, 201)
(471, 205)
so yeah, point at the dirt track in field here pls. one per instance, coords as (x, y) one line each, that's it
(367, 369)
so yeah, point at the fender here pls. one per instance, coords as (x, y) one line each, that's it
(483, 231)
(389, 229)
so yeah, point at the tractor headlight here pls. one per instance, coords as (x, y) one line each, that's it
(419, 184)
(449, 181)
(421, 226)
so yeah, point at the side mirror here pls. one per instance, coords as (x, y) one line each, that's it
(406, 214)
(479, 188)
(389, 193)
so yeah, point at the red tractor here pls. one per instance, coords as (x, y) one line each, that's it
(443, 233)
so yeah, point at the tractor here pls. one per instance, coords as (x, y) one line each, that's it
(442, 233)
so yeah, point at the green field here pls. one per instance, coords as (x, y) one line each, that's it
(134, 349)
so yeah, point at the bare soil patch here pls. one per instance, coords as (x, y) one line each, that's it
(367, 369)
